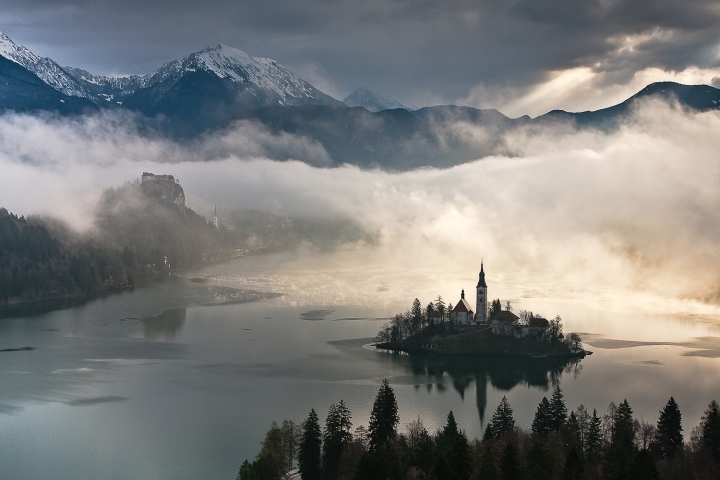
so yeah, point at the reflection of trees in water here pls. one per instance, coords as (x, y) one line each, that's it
(502, 373)
(165, 326)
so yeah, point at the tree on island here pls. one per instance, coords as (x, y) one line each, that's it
(310, 448)
(495, 308)
(555, 329)
(416, 312)
(440, 307)
(384, 417)
(574, 339)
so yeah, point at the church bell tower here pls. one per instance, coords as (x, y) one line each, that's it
(481, 309)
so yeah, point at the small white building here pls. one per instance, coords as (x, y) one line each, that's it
(535, 328)
(504, 323)
(462, 314)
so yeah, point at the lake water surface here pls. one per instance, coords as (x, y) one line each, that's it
(180, 381)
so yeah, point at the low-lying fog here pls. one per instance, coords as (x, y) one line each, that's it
(629, 217)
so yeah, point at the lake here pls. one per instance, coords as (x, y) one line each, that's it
(181, 379)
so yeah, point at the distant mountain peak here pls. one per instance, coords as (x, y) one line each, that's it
(233, 64)
(364, 97)
(49, 72)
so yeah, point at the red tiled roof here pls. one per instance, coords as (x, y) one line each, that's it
(505, 316)
(538, 322)
(462, 306)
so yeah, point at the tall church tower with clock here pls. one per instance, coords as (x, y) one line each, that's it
(481, 308)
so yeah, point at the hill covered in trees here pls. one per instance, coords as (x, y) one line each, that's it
(137, 234)
(561, 444)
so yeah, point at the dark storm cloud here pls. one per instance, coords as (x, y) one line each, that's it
(419, 51)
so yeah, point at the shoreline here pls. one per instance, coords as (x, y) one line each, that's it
(409, 349)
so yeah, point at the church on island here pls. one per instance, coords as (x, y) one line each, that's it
(503, 322)
(463, 313)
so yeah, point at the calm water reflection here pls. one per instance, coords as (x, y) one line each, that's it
(179, 380)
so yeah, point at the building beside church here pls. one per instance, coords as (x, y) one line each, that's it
(504, 322)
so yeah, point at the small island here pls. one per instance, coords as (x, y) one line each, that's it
(490, 331)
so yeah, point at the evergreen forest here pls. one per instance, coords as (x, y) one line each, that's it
(561, 444)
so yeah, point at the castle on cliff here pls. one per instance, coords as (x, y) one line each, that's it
(164, 187)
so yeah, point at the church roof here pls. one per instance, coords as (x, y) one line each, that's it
(462, 306)
(505, 316)
(538, 322)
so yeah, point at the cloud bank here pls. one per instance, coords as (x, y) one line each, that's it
(632, 211)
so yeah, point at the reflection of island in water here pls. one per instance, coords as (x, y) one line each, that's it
(166, 326)
(502, 373)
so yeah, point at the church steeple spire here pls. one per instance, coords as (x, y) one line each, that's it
(481, 291)
(481, 280)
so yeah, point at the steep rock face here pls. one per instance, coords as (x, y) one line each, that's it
(165, 188)
(47, 70)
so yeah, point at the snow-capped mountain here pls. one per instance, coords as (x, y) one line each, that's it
(364, 97)
(276, 84)
(239, 67)
(111, 89)
(46, 69)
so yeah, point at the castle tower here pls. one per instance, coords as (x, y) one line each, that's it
(215, 221)
(481, 310)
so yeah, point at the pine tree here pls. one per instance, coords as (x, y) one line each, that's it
(669, 430)
(540, 462)
(572, 433)
(310, 448)
(574, 466)
(417, 315)
(541, 422)
(710, 430)
(623, 431)
(593, 439)
(384, 416)
(510, 463)
(558, 410)
(488, 467)
(502, 420)
(618, 460)
(488, 434)
(448, 434)
(460, 462)
(336, 437)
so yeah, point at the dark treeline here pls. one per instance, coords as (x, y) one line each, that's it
(561, 444)
(135, 235)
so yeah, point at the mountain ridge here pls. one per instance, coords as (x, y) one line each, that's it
(46, 69)
(212, 89)
(373, 101)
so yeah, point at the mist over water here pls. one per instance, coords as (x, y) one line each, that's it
(568, 213)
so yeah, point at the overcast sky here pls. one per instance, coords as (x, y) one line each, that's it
(522, 57)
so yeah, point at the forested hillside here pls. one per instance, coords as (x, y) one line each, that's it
(136, 235)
